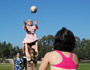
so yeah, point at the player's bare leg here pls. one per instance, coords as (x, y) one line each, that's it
(23, 48)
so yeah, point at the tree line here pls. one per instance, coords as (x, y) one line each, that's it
(82, 47)
(7, 50)
(45, 44)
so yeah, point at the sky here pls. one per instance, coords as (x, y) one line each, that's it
(52, 15)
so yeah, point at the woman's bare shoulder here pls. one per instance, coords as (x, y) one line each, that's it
(50, 54)
(74, 55)
(75, 58)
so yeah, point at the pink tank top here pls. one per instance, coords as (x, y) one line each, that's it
(67, 62)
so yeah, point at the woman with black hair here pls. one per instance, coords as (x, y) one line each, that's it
(62, 58)
(17, 63)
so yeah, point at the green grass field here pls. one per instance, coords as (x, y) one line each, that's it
(82, 66)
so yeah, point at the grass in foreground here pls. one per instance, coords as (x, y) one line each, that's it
(82, 66)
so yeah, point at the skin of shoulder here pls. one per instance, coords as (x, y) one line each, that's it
(75, 58)
(45, 61)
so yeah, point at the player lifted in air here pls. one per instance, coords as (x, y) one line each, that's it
(30, 41)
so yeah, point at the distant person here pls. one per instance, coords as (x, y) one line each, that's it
(17, 63)
(62, 58)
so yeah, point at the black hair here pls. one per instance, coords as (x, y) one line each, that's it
(64, 40)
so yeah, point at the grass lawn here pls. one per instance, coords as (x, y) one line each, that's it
(6, 67)
(82, 66)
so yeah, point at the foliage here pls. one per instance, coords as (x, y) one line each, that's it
(8, 51)
(45, 45)
(82, 48)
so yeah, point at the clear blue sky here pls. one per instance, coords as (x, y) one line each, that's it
(52, 15)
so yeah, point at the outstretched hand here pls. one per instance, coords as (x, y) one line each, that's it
(25, 23)
(25, 28)
(35, 22)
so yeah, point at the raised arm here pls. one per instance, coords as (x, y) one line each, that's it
(25, 28)
(36, 24)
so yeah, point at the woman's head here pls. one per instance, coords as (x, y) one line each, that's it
(29, 22)
(64, 40)
(18, 54)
